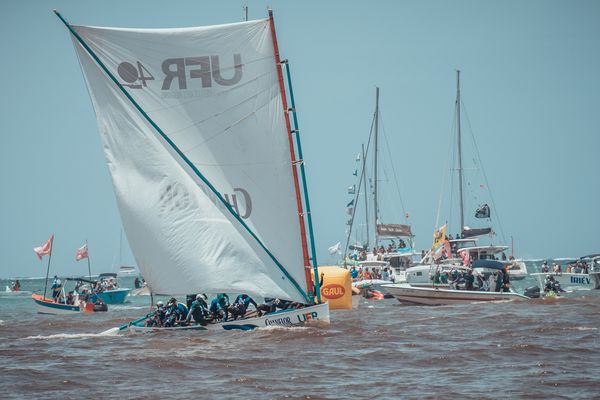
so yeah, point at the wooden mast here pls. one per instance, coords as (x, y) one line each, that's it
(309, 282)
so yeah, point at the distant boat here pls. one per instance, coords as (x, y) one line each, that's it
(435, 296)
(575, 280)
(449, 253)
(126, 270)
(399, 251)
(111, 296)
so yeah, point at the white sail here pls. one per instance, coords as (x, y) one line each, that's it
(214, 93)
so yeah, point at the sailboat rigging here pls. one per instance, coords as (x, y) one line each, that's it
(434, 281)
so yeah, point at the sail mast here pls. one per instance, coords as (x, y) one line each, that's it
(460, 169)
(375, 205)
(309, 285)
(364, 165)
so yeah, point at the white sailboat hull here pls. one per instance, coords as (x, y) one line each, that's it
(439, 296)
(317, 315)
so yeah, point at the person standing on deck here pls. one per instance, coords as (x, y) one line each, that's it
(56, 288)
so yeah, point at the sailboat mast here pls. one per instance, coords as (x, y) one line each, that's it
(375, 206)
(364, 176)
(460, 169)
(304, 183)
(309, 284)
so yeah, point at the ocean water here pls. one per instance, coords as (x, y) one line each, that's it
(538, 349)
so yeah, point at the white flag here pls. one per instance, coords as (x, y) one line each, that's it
(335, 248)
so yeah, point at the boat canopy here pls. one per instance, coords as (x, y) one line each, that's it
(470, 232)
(491, 264)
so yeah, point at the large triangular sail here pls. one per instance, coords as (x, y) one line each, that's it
(202, 122)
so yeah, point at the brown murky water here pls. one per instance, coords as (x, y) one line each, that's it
(537, 349)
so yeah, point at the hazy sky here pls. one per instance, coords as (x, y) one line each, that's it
(530, 82)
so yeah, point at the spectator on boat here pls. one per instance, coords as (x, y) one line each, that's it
(551, 285)
(499, 281)
(469, 279)
(219, 307)
(56, 288)
(482, 284)
(390, 249)
(506, 279)
(240, 306)
(70, 298)
(557, 269)
(385, 275)
(545, 268)
(585, 269)
(354, 273)
(362, 256)
(367, 274)
(137, 283)
(503, 256)
(453, 278)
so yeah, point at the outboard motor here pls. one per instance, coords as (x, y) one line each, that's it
(99, 305)
(532, 292)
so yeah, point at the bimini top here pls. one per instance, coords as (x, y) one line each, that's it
(488, 264)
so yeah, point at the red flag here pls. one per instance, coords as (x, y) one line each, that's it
(82, 253)
(45, 249)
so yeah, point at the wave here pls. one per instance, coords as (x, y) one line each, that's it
(70, 336)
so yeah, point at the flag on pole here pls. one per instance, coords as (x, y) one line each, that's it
(335, 249)
(350, 207)
(45, 249)
(82, 253)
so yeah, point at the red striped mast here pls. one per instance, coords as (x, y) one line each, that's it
(309, 282)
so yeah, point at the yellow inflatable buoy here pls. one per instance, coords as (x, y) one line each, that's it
(336, 288)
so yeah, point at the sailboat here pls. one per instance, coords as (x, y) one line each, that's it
(427, 283)
(196, 131)
(400, 240)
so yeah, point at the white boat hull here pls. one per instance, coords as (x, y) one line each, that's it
(317, 315)
(570, 281)
(437, 296)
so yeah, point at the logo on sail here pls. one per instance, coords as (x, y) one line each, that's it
(243, 208)
(182, 70)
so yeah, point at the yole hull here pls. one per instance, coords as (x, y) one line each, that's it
(315, 315)
(437, 296)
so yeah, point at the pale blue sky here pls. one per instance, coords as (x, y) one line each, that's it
(530, 81)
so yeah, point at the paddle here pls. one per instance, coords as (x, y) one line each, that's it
(120, 328)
